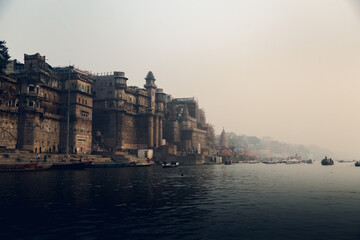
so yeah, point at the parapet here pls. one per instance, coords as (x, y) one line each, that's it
(119, 74)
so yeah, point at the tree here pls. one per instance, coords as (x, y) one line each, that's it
(4, 56)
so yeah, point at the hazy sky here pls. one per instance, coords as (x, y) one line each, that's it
(280, 68)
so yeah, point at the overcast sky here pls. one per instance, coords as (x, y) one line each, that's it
(280, 68)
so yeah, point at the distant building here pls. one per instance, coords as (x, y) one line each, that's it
(186, 127)
(127, 117)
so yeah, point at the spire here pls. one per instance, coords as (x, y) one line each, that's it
(224, 140)
(150, 80)
(150, 76)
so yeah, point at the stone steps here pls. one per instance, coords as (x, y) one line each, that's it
(9, 158)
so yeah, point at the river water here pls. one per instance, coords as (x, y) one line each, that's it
(239, 201)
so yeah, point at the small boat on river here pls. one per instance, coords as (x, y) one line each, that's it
(327, 161)
(24, 167)
(170, 165)
(357, 164)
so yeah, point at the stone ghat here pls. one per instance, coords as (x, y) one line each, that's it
(96, 159)
(25, 157)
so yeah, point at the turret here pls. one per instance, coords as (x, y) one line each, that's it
(150, 87)
(120, 80)
(150, 80)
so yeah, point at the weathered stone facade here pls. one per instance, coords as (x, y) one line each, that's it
(8, 112)
(127, 117)
(40, 114)
(80, 107)
(104, 112)
(39, 118)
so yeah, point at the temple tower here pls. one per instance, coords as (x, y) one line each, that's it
(224, 140)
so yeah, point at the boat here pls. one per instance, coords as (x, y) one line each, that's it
(24, 167)
(170, 165)
(357, 164)
(71, 165)
(292, 161)
(327, 161)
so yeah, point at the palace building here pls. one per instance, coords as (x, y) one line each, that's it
(127, 117)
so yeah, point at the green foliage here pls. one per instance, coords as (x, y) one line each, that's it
(4, 56)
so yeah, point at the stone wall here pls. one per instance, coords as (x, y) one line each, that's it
(8, 129)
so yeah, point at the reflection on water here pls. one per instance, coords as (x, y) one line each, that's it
(243, 201)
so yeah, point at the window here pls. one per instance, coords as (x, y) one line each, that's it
(31, 88)
(84, 114)
(1, 83)
(85, 102)
(79, 100)
(31, 104)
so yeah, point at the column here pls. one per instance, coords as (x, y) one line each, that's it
(156, 131)
(160, 130)
(151, 132)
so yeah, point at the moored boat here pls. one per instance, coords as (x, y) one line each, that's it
(170, 165)
(357, 164)
(24, 167)
(327, 161)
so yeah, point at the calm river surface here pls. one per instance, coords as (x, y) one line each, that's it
(239, 201)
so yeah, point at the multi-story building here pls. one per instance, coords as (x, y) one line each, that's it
(39, 104)
(186, 126)
(127, 117)
(8, 112)
(75, 134)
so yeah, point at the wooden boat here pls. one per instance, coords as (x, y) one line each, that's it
(170, 165)
(24, 167)
(71, 165)
(327, 161)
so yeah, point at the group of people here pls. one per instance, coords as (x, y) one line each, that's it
(45, 149)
